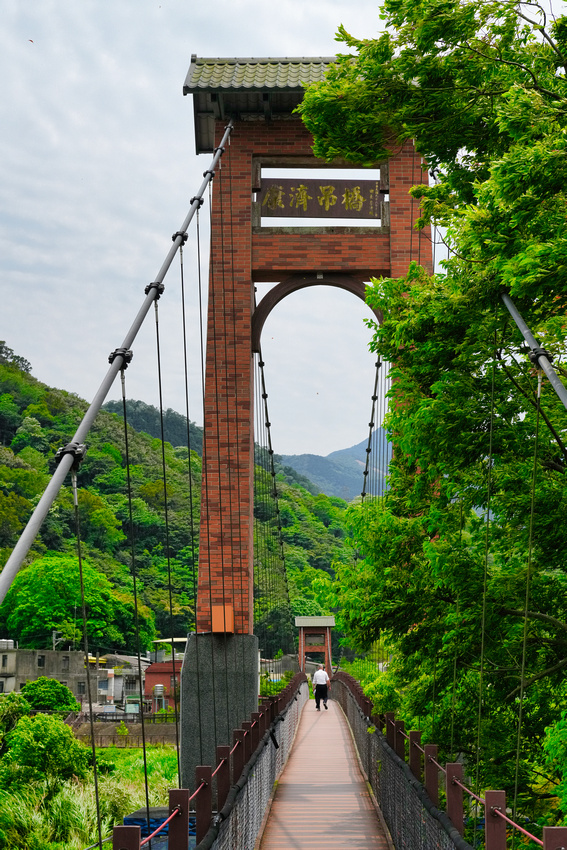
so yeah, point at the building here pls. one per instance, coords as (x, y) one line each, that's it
(115, 679)
(20, 666)
(162, 684)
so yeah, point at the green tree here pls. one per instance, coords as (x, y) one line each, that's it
(13, 706)
(46, 596)
(42, 749)
(480, 87)
(46, 694)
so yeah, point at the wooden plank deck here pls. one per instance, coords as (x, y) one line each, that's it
(321, 801)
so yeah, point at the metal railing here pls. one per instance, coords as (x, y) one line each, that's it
(229, 802)
(407, 789)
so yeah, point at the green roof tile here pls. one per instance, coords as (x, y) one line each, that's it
(243, 87)
(259, 74)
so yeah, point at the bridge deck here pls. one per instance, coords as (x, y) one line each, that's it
(322, 801)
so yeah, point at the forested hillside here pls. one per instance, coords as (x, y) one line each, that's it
(35, 421)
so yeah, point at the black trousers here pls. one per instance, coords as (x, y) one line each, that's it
(320, 694)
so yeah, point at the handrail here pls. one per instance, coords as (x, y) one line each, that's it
(436, 763)
(218, 767)
(174, 814)
(497, 813)
(194, 794)
(382, 720)
(455, 781)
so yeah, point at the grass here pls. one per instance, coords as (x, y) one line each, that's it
(36, 818)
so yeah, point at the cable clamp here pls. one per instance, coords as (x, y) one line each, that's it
(220, 148)
(538, 352)
(209, 171)
(181, 233)
(159, 287)
(77, 450)
(125, 353)
(197, 198)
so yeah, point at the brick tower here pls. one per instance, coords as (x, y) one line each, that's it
(249, 246)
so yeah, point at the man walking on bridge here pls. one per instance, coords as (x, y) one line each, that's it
(321, 683)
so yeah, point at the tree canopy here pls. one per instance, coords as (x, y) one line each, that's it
(45, 694)
(463, 563)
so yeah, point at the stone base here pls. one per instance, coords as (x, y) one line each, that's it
(219, 689)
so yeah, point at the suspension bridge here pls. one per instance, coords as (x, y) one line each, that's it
(346, 775)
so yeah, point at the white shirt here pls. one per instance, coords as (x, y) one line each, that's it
(320, 677)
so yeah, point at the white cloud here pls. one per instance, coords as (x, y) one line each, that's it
(97, 167)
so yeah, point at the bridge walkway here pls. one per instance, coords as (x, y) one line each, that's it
(322, 801)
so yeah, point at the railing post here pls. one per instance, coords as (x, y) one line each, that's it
(223, 775)
(126, 838)
(203, 801)
(390, 731)
(400, 741)
(431, 773)
(415, 753)
(246, 725)
(238, 755)
(495, 827)
(455, 795)
(273, 708)
(178, 835)
(555, 838)
(257, 717)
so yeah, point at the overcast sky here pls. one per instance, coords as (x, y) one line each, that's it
(97, 167)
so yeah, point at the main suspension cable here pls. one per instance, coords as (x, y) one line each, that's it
(153, 290)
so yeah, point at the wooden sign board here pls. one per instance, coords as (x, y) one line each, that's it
(360, 199)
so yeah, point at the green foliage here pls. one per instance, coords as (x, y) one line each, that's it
(13, 706)
(144, 417)
(46, 694)
(122, 730)
(46, 596)
(480, 87)
(41, 748)
(63, 817)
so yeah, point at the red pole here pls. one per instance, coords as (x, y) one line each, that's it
(178, 836)
(223, 776)
(415, 753)
(400, 740)
(246, 724)
(455, 795)
(495, 827)
(203, 800)
(431, 773)
(256, 729)
(238, 755)
(554, 838)
(126, 838)
(390, 730)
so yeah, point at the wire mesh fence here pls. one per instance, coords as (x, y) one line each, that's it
(237, 826)
(414, 822)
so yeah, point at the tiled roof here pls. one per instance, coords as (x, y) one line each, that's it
(258, 74)
(241, 88)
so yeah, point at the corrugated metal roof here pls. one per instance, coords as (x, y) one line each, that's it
(258, 74)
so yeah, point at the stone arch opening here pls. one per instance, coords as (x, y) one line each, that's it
(295, 282)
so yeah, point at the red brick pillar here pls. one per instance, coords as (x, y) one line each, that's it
(225, 550)
(240, 254)
(407, 243)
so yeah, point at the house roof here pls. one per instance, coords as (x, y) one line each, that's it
(162, 667)
(244, 88)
